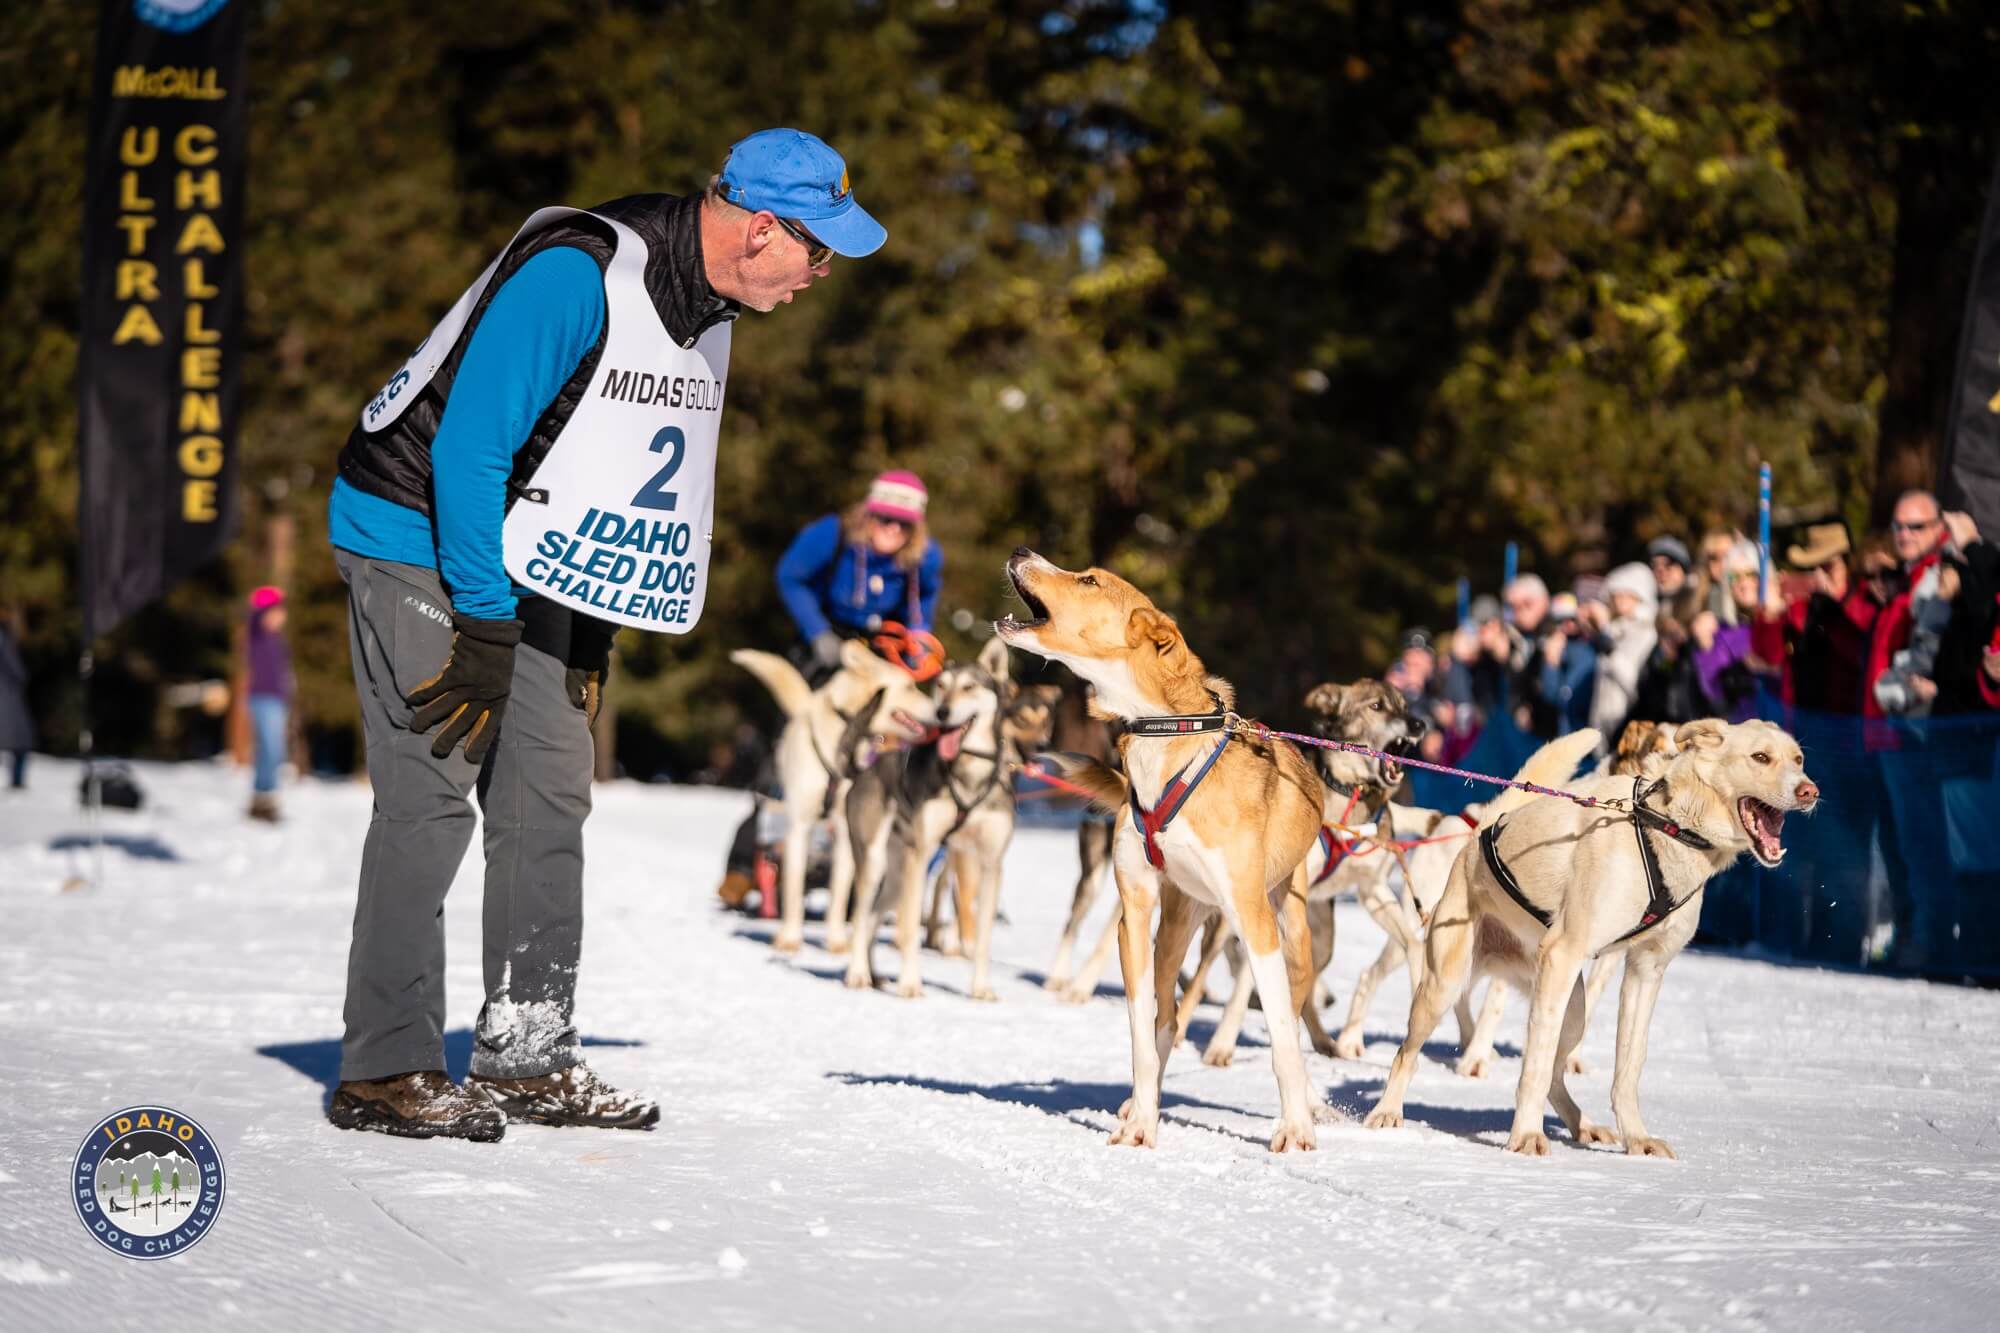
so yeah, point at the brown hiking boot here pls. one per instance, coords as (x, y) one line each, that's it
(423, 1105)
(264, 806)
(573, 1096)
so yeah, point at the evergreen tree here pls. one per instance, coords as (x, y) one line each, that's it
(1291, 313)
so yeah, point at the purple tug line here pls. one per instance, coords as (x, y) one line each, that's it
(1355, 747)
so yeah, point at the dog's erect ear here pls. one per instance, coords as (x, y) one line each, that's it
(993, 658)
(1324, 699)
(854, 655)
(1147, 625)
(1707, 733)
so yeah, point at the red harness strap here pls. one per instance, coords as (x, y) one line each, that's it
(1151, 823)
(1337, 848)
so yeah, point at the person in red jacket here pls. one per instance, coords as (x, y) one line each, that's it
(1822, 638)
(1898, 682)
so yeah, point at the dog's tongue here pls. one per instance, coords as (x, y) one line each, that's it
(1770, 826)
(949, 742)
(1771, 823)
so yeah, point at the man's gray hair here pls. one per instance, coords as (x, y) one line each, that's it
(1918, 493)
(718, 197)
(1530, 583)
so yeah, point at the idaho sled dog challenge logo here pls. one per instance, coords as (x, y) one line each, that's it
(147, 1182)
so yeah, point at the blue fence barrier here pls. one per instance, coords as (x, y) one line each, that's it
(1898, 868)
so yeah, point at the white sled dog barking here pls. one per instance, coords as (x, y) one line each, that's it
(1591, 882)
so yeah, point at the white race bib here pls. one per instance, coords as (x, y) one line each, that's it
(621, 512)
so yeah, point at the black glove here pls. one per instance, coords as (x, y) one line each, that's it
(826, 648)
(589, 664)
(469, 693)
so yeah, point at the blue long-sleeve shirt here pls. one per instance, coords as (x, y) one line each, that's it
(828, 583)
(1568, 686)
(534, 334)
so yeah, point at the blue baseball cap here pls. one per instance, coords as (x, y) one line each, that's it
(795, 175)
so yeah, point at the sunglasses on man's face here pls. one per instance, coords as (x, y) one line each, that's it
(817, 251)
(1925, 526)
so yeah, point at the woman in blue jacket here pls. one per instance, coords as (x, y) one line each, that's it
(842, 578)
(846, 574)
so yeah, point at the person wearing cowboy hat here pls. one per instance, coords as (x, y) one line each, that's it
(1821, 639)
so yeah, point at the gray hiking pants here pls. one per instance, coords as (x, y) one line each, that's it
(534, 792)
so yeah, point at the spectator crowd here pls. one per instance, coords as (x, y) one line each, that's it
(1906, 625)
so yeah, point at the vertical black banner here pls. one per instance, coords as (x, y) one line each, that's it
(162, 298)
(1969, 473)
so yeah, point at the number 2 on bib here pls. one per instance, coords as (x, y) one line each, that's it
(654, 494)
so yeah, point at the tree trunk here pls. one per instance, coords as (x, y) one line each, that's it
(1934, 208)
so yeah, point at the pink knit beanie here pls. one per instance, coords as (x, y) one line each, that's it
(898, 495)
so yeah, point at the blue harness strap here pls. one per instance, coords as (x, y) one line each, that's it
(1151, 823)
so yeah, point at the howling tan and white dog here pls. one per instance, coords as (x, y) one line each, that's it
(819, 752)
(1236, 844)
(1587, 892)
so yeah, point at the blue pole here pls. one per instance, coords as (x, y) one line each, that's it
(1513, 567)
(1464, 599)
(1763, 533)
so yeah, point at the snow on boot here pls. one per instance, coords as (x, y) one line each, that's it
(573, 1096)
(422, 1105)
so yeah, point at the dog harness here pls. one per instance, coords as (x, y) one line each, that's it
(1659, 903)
(1152, 823)
(1337, 848)
(851, 738)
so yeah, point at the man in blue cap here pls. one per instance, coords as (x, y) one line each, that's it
(539, 473)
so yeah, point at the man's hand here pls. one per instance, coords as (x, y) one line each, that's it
(1705, 627)
(1962, 530)
(826, 648)
(469, 692)
(1552, 648)
(1924, 688)
(589, 665)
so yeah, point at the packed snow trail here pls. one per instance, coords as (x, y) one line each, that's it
(828, 1158)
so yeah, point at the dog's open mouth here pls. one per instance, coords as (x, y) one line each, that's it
(1038, 611)
(1765, 824)
(1392, 772)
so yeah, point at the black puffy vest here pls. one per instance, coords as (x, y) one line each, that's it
(394, 463)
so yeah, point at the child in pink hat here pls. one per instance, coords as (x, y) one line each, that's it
(268, 677)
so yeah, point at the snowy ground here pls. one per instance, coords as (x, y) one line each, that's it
(830, 1159)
